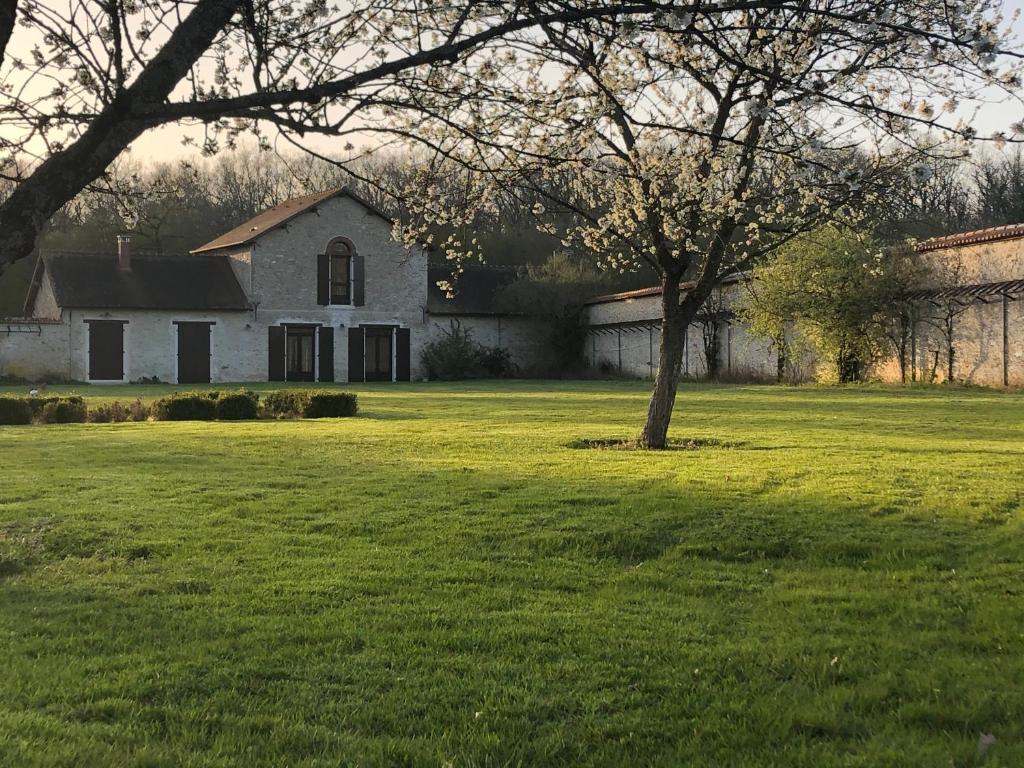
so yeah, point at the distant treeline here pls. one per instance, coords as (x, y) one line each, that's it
(176, 206)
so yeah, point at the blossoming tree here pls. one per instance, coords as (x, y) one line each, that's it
(702, 137)
(81, 80)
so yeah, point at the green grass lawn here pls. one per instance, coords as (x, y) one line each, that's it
(442, 581)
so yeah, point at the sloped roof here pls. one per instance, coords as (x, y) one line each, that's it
(974, 237)
(978, 291)
(280, 215)
(476, 289)
(656, 290)
(95, 281)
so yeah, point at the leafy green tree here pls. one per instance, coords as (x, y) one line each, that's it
(840, 290)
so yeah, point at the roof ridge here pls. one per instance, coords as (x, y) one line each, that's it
(971, 237)
(280, 214)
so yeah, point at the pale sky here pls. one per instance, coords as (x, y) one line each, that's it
(166, 143)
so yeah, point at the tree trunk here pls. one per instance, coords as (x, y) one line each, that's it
(663, 398)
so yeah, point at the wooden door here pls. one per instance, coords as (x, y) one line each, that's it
(106, 350)
(194, 353)
(378, 354)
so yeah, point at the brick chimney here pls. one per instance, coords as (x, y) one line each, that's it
(124, 252)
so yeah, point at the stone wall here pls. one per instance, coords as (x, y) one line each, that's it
(525, 339)
(623, 337)
(34, 349)
(978, 346)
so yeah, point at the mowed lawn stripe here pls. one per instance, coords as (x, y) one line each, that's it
(442, 580)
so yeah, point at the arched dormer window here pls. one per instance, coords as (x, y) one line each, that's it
(340, 274)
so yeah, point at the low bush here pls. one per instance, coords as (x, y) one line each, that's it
(185, 406)
(309, 404)
(236, 406)
(455, 355)
(323, 405)
(15, 410)
(138, 410)
(117, 411)
(64, 410)
(38, 402)
(286, 403)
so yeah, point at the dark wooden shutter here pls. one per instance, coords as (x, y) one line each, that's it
(402, 354)
(355, 354)
(358, 280)
(326, 352)
(275, 353)
(323, 279)
(106, 350)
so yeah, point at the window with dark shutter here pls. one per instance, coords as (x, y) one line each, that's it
(337, 284)
(358, 280)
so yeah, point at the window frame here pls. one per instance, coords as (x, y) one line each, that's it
(333, 298)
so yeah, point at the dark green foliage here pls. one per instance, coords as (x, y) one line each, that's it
(64, 410)
(322, 405)
(15, 410)
(457, 356)
(285, 403)
(236, 406)
(38, 402)
(185, 406)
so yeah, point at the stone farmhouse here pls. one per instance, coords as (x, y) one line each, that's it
(316, 289)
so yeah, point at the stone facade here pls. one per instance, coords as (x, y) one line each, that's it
(277, 272)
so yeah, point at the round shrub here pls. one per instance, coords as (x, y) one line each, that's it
(286, 403)
(185, 406)
(138, 410)
(115, 412)
(236, 406)
(330, 405)
(14, 410)
(38, 402)
(64, 410)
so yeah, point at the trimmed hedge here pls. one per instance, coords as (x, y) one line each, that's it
(236, 406)
(309, 404)
(182, 406)
(286, 403)
(185, 406)
(64, 410)
(323, 405)
(15, 410)
(117, 411)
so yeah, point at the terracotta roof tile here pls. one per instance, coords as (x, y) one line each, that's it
(974, 237)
